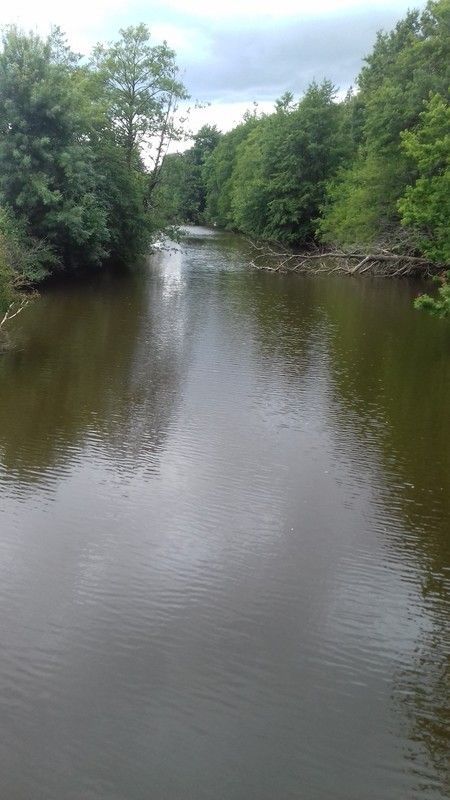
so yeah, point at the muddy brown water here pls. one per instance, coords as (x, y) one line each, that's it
(224, 538)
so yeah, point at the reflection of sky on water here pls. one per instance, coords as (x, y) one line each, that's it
(205, 550)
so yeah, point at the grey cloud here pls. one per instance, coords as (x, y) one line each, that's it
(261, 63)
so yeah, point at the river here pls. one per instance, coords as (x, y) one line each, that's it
(224, 537)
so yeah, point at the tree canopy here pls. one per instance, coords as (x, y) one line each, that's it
(368, 169)
(80, 145)
(85, 174)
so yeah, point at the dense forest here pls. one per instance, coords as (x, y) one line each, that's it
(368, 170)
(81, 148)
(85, 177)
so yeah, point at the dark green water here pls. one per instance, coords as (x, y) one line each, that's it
(225, 538)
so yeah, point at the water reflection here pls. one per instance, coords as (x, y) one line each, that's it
(387, 376)
(93, 366)
(395, 394)
(224, 538)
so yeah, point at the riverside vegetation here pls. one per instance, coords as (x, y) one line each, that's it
(368, 174)
(85, 179)
(81, 148)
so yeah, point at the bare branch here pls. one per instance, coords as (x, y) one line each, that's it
(13, 311)
(380, 262)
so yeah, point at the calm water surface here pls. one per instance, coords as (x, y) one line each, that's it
(225, 538)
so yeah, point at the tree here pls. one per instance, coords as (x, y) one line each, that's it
(405, 66)
(437, 306)
(21, 261)
(249, 180)
(65, 173)
(181, 191)
(170, 201)
(8, 293)
(283, 165)
(425, 206)
(219, 170)
(144, 89)
(47, 165)
(205, 142)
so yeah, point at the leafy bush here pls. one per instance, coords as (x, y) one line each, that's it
(437, 306)
(425, 206)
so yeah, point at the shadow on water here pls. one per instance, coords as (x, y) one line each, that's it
(388, 395)
(390, 372)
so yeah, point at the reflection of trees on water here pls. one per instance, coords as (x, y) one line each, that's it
(391, 377)
(422, 690)
(92, 366)
(389, 394)
(286, 322)
(115, 377)
(389, 385)
(391, 366)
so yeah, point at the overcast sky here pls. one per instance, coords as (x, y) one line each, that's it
(235, 52)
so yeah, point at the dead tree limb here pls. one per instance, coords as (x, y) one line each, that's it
(14, 310)
(381, 262)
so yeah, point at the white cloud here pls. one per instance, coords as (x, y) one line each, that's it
(256, 9)
(188, 42)
(180, 21)
(84, 22)
(232, 52)
(224, 115)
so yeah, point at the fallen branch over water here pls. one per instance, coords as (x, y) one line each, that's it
(13, 310)
(382, 262)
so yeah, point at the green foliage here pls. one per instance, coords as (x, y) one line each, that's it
(142, 81)
(181, 192)
(24, 259)
(219, 171)
(123, 194)
(356, 210)
(425, 206)
(205, 142)
(405, 66)
(171, 198)
(7, 290)
(47, 174)
(249, 190)
(267, 177)
(437, 306)
(21, 260)
(75, 175)
(283, 165)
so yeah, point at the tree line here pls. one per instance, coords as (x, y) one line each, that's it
(371, 169)
(85, 177)
(82, 143)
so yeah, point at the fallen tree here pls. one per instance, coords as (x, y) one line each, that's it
(380, 262)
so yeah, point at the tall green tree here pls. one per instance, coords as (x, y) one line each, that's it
(425, 206)
(67, 174)
(283, 166)
(205, 142)
(219, 170)
(405, 66)
(47, 165)
(181, 191)
(144, 88)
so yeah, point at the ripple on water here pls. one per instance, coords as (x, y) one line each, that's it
(224, 560)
